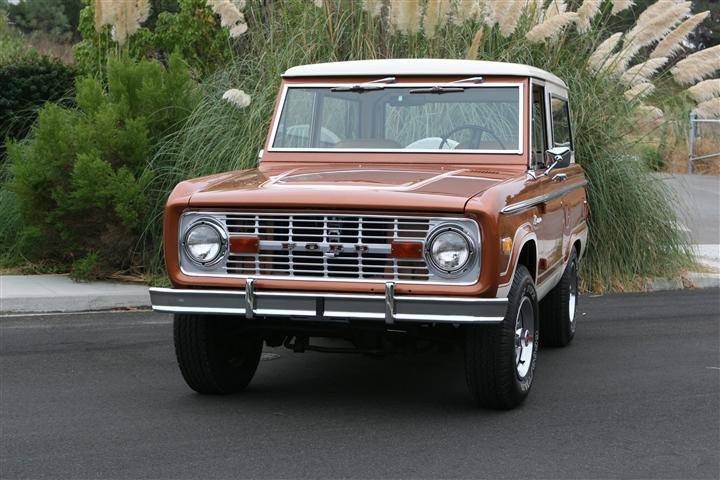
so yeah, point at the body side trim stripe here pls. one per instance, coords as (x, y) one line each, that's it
(531, 202)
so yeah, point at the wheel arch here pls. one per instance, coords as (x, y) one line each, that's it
(528, 257)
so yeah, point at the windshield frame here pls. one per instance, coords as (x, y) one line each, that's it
(520, 150)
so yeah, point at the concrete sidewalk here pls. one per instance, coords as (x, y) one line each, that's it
(58, 293)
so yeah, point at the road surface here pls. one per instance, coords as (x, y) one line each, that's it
(99, 396)
(697, 202)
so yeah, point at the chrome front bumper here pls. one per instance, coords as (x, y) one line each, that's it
(389, 307)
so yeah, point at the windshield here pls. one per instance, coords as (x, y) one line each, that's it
(417, 118)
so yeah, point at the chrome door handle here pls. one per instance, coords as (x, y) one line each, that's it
(536, 220)
(560, 177)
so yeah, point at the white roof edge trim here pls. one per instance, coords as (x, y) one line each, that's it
(419, 67)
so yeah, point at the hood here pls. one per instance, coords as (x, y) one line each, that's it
(347, 187)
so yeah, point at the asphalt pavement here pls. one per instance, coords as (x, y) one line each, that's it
(637, 395)
(697, 202)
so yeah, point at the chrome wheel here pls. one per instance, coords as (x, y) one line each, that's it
(572, 300)
(524, 337)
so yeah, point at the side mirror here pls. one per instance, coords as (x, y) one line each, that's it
(558, 157)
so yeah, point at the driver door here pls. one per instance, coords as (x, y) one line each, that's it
(549, 220)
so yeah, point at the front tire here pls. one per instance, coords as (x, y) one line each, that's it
(215, 356)
(559, 307)
(500, 359)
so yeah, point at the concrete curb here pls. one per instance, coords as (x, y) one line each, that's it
(58, 293)
(689, 281)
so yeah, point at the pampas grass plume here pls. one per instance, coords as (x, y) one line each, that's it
(639, 91)
(230, 16)
(586, 13)
(649, 113)
(405, 15)
(709, 109)
(705, 90)
(373, 7)
(551, 27)
(642, 72)
(673, 42)
(620, 5)
(472, 53)
(125, 16)
(598, 58)
(650, 29)
(237, 98)
(464, 10)
(697, 66)
(556, 7)
(436, 12)
(508, 14)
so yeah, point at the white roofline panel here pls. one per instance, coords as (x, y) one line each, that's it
(420, 66)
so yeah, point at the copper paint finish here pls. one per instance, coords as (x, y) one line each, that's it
(477, 185)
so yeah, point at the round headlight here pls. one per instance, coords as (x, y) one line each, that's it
(204, 243)
(450, 250)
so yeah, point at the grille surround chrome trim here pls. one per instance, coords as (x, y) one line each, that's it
(373, 260)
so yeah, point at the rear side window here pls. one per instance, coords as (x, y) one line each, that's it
(561, 123)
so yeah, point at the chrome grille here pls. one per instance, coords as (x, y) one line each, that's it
(328, 247)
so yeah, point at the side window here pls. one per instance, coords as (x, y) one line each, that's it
(561, 123)
(539, 134)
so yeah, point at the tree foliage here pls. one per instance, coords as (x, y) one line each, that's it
(81, 178)
(52, 17)
(188, 27)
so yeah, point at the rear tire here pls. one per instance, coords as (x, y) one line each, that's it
(214, 354)
(559, 307)
(500, 359)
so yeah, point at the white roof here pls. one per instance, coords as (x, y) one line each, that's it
(420, 66)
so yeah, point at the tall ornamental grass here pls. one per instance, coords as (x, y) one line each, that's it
(634, 229)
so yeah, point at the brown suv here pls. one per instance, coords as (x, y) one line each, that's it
(397, 203)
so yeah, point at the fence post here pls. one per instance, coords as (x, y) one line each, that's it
(691, 140)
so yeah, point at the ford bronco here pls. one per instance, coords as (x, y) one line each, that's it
(397, 204)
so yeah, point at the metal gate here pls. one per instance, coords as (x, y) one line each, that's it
(702, 129)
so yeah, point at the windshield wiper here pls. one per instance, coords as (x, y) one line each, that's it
(469, 80)
(437, 89)
(366, 87)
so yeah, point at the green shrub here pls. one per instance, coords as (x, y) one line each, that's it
(81, 178)
(28, 82)
(194, 32)
(651, 157)
(86, 268)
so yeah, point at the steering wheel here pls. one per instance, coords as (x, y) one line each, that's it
(477, 134)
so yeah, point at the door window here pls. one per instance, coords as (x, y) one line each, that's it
(539, 134)
(561, 123)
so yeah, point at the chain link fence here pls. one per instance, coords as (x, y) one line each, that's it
(703, 139)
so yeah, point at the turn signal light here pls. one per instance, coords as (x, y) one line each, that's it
(506, 244)
(406, 250)
(244, 244)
